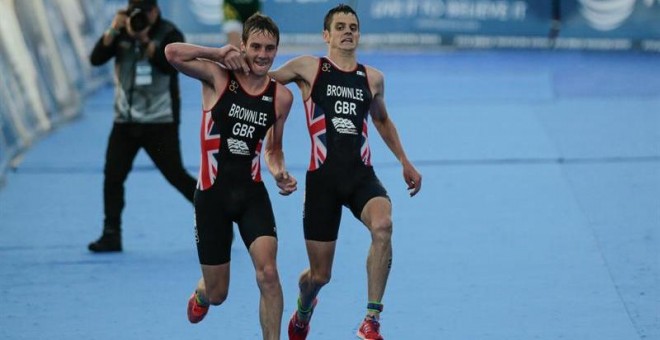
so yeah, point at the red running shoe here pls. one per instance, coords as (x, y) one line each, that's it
(369, 330)
(196, 312)
(298, 330)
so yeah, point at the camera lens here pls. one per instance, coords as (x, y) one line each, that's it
(138, 20)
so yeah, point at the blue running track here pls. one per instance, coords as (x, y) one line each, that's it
(539, 216)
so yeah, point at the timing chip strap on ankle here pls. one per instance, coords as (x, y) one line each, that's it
(375, 306)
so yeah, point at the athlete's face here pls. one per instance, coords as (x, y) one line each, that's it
(344, 32)
(260, 50)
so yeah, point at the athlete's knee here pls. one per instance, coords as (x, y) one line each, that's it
(216, 296)
(267, 277)
(381, 228)
(320, 278)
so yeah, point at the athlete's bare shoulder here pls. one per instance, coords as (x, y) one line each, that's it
(284, 95)
(374, 73)
(376, 79)
(305, 61)
(213, 90)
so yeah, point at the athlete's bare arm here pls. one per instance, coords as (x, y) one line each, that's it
(387, 130)
(203, 63)
(301, 70)
(273, 154)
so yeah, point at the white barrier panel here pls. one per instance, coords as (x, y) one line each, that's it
(44, 49)
(24, 69)
(43, 30)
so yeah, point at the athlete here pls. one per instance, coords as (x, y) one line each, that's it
(339, 94)
(243, 108)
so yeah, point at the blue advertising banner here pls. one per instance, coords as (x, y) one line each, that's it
(585, 24)
(611, 19)
(453, 22)
(454, 16)
(613, 24)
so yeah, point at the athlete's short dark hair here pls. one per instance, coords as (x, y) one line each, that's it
(258, 22)
(341, 8)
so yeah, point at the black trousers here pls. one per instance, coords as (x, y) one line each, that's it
(161, 142)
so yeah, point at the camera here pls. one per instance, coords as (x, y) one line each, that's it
(138, 19)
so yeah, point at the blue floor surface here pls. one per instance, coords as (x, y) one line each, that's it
(538, 218)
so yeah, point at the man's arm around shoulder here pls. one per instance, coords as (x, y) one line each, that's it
(302, 68)
(199, 61)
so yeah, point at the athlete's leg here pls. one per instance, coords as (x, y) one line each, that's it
(377, 216)
(213, 237)
(321, 256)
(211, 290)
(263, 251)
(213, 287)
(321, 216)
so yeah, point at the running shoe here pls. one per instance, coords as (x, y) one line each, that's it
(196, 312)
(298, 330)
(369, 330)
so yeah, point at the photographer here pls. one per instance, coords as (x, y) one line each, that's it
(147, 106)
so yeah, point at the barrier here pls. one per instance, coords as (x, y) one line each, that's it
(43, 48)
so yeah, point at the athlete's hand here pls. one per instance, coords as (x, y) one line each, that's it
(234, 60)
(286, 183)
(413, 179)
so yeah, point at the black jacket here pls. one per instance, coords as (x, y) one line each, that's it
(146, 89)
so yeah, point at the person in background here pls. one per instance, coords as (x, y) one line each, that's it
(235, 12)
(339, 95)
(147, 105)
(243, 108)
